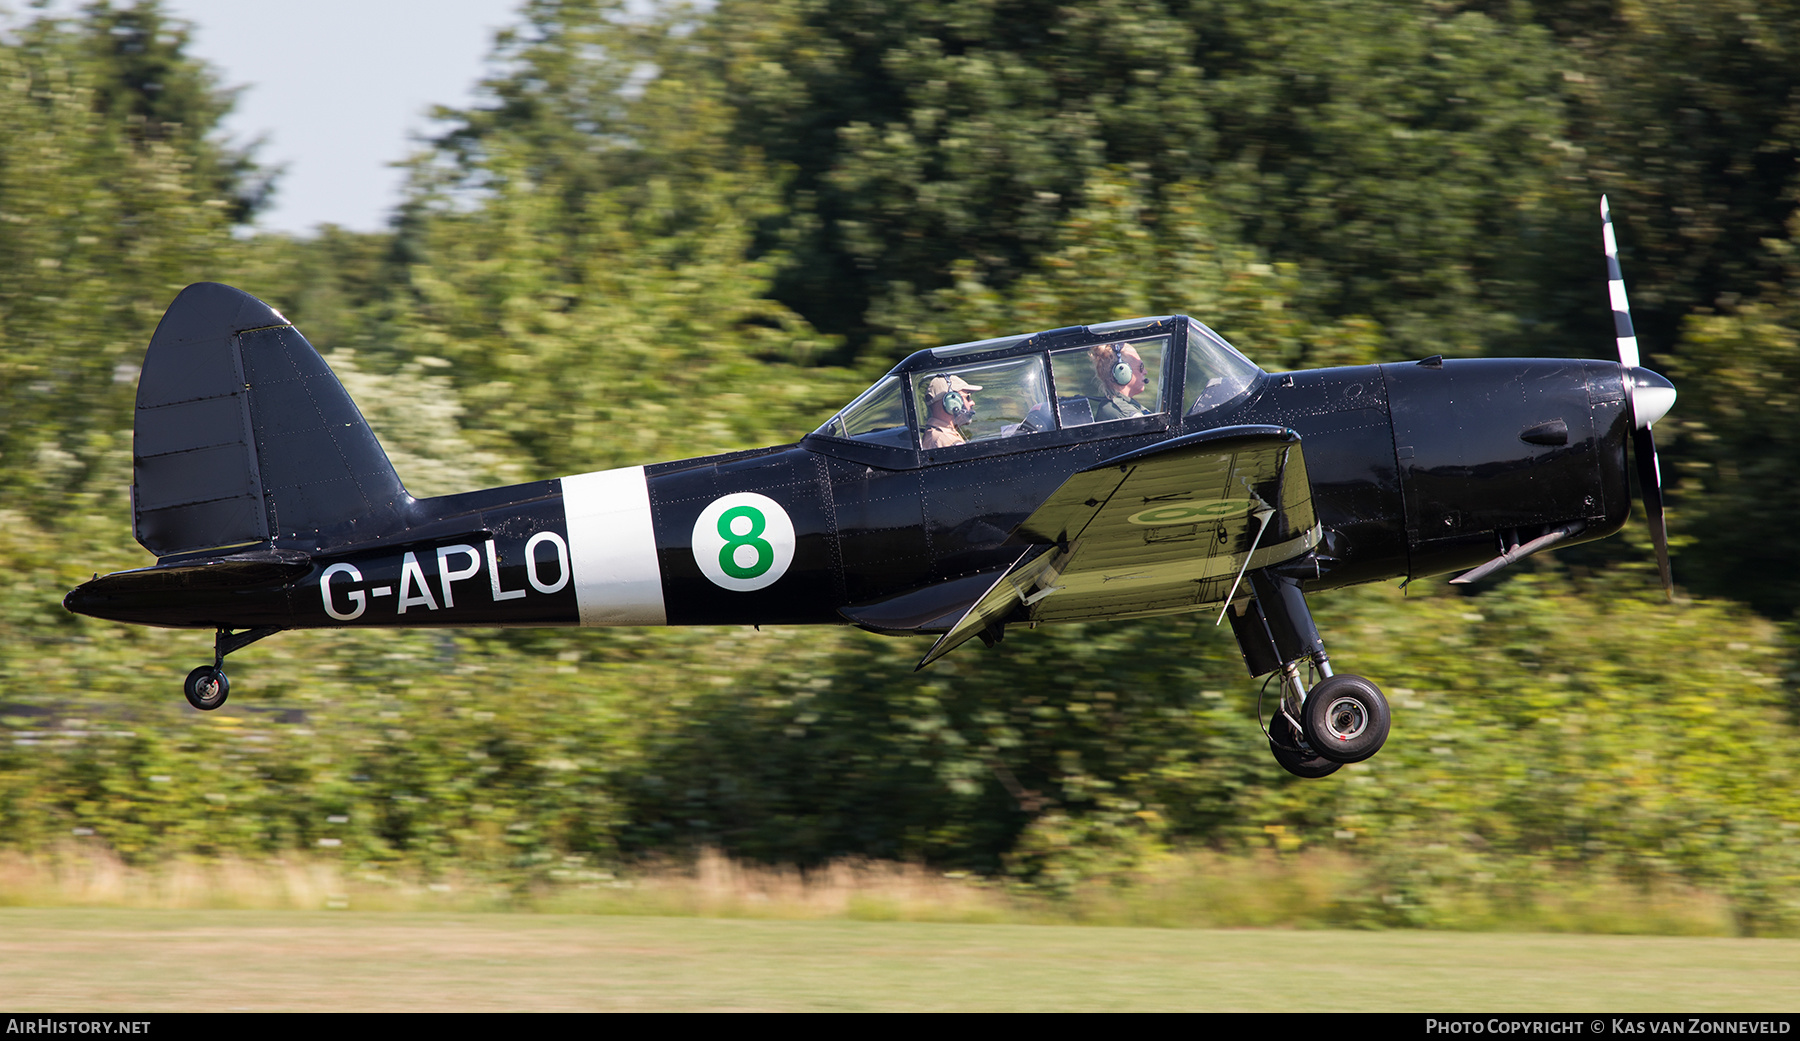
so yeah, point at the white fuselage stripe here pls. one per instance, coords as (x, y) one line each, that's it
(612, 548)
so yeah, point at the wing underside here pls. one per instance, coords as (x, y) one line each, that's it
(1162, 531)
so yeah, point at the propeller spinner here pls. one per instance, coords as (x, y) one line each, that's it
(1650, 397)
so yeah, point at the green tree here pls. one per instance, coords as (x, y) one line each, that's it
(1163, 252)
(1409, 159)
(110, 205)
(581, 260)
(1688, 112)
(147, 86)
(1738, 373)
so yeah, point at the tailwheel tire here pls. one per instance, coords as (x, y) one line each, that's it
(1346, 718)
(1284, 744)
(206, 688)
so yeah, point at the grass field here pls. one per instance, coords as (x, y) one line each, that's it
(129, 960)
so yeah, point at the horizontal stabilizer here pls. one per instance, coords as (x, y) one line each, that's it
(205, 592)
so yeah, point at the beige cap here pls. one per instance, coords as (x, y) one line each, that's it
(941, 385)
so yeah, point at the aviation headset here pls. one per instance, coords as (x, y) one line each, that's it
(955, 402)
(1121, 369)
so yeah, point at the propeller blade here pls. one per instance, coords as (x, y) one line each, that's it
(1615, 288)
(1650, 397)
(1643, 445)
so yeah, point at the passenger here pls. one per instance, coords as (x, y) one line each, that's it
(1121, 375)
(950, 406)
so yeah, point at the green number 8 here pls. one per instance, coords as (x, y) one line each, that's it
(765, 553)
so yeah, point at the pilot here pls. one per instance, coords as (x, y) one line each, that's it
(950, 406)
(1121, 374)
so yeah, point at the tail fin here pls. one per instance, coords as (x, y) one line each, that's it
(243, 435)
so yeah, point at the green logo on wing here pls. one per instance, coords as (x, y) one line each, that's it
(1190, 512)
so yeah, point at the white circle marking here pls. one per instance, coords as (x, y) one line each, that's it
(748, 550)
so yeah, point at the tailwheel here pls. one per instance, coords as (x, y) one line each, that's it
(1285, 745)
(206, 687)
(1346, 718)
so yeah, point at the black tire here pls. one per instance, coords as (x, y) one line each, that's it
(1284, 745)
(1346, 719)
(206, 688)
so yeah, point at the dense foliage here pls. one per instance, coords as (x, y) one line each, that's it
(704, 229)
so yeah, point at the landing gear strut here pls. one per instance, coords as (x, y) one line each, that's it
(1340, 719)
(207, 687)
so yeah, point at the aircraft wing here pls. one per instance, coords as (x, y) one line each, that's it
(1162, 530)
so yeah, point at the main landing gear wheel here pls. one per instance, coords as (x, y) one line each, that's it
(1346, 718)
(206, 688)
(1284, 744)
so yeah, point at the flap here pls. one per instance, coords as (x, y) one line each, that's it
(932, 609)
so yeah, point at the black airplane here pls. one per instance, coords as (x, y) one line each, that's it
(1121, 470)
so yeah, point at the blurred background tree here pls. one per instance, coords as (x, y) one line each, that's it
(1412, 160)
(113, 194)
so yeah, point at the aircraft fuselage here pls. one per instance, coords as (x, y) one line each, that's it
(1416, 468)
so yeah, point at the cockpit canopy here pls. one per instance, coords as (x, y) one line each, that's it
(1036, 383)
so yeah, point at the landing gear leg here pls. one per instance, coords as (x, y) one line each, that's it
(207, 687)
(1340, 719)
